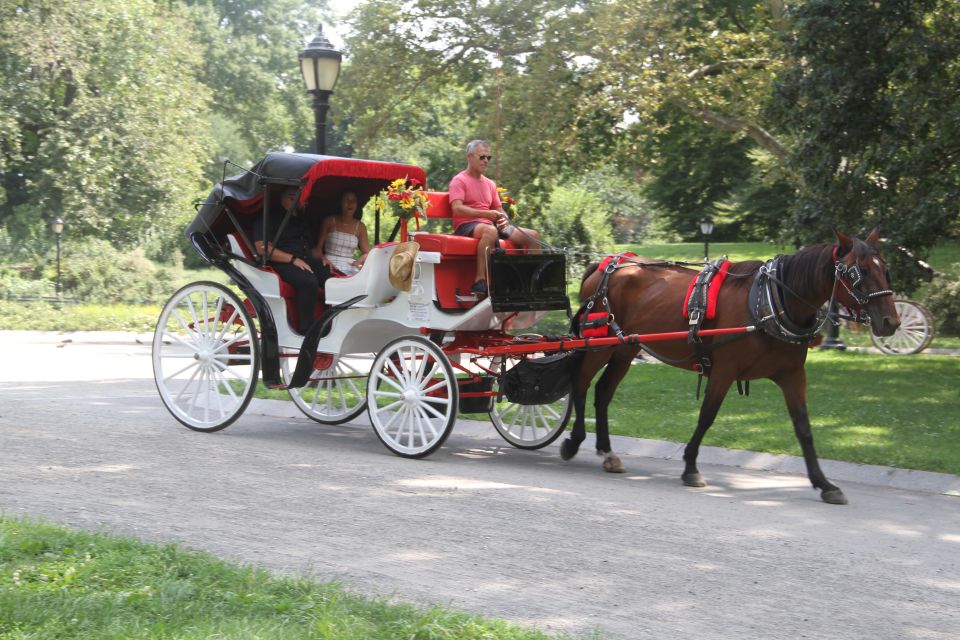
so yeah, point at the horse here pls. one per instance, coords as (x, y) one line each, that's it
(782, 299)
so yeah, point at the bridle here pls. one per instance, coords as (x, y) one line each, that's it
(851, 278)
(769, 312)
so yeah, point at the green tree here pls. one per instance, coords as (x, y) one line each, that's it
(871, 97)
(250, 66)
(101, 111)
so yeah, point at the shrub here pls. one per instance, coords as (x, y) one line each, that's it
(943, 299)
(575, 218)
(95, 271)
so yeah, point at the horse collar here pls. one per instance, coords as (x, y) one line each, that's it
(767, 309)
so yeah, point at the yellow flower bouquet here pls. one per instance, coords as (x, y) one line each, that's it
(404, 198)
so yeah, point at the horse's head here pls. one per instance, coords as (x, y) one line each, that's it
(862, 282)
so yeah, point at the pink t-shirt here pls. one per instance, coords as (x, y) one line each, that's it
(477, 193)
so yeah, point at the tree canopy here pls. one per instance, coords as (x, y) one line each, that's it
(777, 120)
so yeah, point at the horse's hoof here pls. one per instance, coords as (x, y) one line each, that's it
(568, 449)
(694, 480)
(612, 464)
(833, 496)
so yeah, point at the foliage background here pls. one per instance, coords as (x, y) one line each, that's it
(618, 120)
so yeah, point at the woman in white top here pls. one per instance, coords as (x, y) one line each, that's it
(340, 237)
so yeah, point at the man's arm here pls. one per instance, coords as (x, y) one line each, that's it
(461, 210)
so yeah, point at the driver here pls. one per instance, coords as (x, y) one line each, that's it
(477, 212)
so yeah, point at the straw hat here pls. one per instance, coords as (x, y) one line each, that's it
(401, 265)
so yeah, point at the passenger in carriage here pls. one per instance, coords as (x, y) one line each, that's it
(340, 237)
(478, 213)
(292, 258)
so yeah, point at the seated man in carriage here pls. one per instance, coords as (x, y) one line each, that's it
(479, 214)
(292, 256)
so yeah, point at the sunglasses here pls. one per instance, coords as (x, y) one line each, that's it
(488, 158)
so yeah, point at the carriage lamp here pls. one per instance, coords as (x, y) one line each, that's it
(57, 227)
(320, 65)
(706, 228)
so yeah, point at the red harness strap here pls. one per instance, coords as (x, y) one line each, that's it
(713, 291)
(619, 257)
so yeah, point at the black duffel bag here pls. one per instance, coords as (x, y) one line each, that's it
(539, 380)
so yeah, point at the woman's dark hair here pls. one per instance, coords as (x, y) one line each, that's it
(358, 214)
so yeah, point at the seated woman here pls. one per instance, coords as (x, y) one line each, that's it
(341, 235)
(292, 257)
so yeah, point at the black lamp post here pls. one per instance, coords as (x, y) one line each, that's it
(320, 65)
(57, 227)
(833, 341)
(706, 228)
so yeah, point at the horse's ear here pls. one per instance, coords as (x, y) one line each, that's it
(844, 241)
(873, 237)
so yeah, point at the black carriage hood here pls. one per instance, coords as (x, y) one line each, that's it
(322, 178)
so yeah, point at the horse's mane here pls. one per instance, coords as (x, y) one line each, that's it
(807, 268)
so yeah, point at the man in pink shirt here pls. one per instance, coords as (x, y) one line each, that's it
(478, 213)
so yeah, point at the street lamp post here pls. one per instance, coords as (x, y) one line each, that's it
(706, 228)
(833, 341)
(57, 227)
(320, 65)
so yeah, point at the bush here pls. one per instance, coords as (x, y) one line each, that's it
(943, 299)
(575, 219)
(95, 271)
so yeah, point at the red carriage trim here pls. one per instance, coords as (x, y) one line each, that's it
(713, 291)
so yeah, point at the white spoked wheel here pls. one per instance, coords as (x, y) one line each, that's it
(914, 334)
(337, 389)
(529, 426)
(412, 397)
(206, 356)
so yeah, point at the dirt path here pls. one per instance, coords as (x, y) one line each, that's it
(479, 526)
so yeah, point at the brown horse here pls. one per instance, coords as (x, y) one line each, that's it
(782, 298)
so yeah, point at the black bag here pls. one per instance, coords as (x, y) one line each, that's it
(539, 380)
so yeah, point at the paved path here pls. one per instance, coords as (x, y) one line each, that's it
(480, 526)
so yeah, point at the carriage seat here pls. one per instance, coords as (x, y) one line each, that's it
(372, 280)
(448, 244)
(269, 283)
(238, 247)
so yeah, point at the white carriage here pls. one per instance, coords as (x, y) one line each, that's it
(412, 359)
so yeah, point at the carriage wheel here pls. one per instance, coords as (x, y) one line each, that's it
(914, 334)
(334, 394)
(529, 426)
(206, 356)
(412, 397)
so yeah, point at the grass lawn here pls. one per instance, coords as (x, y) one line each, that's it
(866, 408)
(57, 583)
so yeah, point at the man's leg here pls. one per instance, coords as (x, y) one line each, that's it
(527, 239)
(487, 235)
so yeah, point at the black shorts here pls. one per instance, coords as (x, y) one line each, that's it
(466, 229)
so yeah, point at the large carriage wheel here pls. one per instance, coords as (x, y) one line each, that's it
(335, 393)
(205, 356)
(529, 426)
(412, 397)
(916, 330)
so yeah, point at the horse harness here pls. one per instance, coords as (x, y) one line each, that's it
(766, 300)
(765, 305)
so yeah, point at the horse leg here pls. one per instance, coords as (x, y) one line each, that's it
(718, 384)
(794, 387)
(586, 367)
(603, 394)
